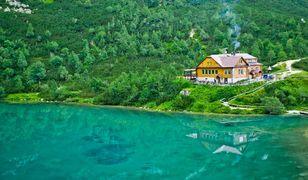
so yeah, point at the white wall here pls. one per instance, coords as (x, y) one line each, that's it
(230, 80)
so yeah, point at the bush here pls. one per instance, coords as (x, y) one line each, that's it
(272, 105)
(62, 94)
(2, 92)
(183, 102)
(303, 64)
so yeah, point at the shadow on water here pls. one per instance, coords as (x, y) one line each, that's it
(109, 148)
(110, 154)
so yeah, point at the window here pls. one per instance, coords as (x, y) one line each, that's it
(241, 71)
(203, 71)
(213, 72)
(209, 71)
(216, 71)
(206, 71)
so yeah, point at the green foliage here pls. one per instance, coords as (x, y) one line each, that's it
(292, 93)
(183, 102)
(22, 62)
(23, 97)
(97, 85)
(134, 59)
(303, 64)
(280, 68)
(138, 89)
(30, 31)
(52, 46)
(206, 98)
(277, 33)
(47, 1)
(74, 64)
(36, 72)
(56, 61)
(62, 73)
(272, 105)
(2, 92)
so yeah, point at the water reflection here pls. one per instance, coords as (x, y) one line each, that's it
(55, 141)
(225, 142)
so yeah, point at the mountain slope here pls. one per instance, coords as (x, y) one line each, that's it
(130, 52)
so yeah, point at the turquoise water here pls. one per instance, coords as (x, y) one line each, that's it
(73, 142)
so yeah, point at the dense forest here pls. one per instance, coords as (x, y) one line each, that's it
(130, 52)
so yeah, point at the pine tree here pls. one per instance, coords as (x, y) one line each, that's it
(36, 72)
(62, 73)
(256, 50)
(271, 55)
(74, 63)
(282, 55)
(21, 62)
(30, 31)
(56, 61)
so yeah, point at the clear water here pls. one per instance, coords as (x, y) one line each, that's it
(73, 142)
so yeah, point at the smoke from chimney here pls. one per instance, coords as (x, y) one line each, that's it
(234, 30)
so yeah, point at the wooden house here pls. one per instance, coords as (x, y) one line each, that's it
(228, 68)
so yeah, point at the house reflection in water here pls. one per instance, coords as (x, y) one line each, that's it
(228, 142)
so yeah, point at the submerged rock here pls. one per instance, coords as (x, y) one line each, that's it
(228, 124)
(110, 154)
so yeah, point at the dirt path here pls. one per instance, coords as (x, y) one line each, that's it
(289, 71)
(227, 104)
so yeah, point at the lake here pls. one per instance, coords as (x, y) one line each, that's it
(50, 141)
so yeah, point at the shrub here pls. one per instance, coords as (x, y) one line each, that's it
(2, 92)
(183, 102)
(272, 105)
(303, 64)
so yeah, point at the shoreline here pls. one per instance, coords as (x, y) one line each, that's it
(135, 108)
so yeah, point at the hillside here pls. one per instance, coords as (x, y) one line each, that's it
(130, 52)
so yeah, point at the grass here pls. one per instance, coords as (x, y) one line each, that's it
(203, 99)
(303, 74)
(249, 99)
(207, 99)
(23, 97)
(80, 100)
(47, 1)
(280, 68)
(292, 92)
(303, 64)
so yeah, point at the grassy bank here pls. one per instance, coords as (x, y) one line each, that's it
(203, 99)
(23, 98)
(207, 99)
(290, 94)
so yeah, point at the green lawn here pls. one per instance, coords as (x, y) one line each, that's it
(23, 97)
